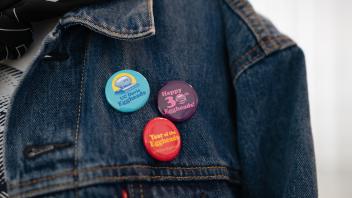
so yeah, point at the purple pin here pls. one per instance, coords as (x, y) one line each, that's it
(177, 101)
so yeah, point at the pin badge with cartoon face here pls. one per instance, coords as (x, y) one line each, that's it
(127, 91)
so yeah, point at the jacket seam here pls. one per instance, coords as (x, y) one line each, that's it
(145, 31)
(108, 31)
(242, 64)
(268, 38)
(78, 119)
(141, 190)
(132, 191)
(104, 179)
(151, 15)
(237, 6)
(249, 63)
(253, 22)
(278, 42)
(102, 168)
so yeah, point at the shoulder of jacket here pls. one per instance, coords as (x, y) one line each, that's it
(264, 38)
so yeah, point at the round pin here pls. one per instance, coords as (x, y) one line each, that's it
(162, 139)
(177, 101)
(127, 91)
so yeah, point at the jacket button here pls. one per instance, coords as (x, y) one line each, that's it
(177, 101)
(127, 91)
(162, 139)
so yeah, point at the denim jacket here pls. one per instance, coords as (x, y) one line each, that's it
(250, 136)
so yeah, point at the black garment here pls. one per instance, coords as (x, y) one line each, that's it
(7, 3)
(16, 17)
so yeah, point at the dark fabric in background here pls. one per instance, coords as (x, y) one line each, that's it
(16, 17)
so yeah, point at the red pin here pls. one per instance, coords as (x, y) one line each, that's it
(162, 139)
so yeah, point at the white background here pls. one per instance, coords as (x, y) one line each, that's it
(323, 28)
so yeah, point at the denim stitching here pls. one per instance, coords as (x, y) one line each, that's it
(87, 170)
(92, 169)
(237, 6)
(245, 65)
(245, 55)
(259, 26)
(114, 179)
(141, 190)
(151, 15)
(282, 41)
(78, 121)
(96, 26)
(108, 31)
(153, 167)
(264, 40)
(132, 191)
(278, 42)
(249, 64)
(69, 173)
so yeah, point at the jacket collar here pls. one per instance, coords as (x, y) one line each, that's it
(121, 19)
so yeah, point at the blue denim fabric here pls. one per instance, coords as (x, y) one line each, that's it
(250, 136)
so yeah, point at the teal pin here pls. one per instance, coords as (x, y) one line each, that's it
(127, 91)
